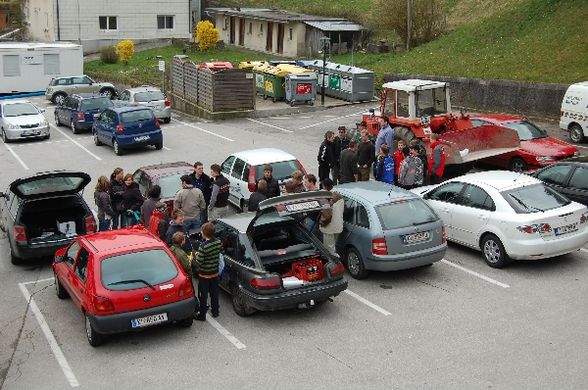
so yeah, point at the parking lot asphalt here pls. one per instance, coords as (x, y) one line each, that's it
(455, 325)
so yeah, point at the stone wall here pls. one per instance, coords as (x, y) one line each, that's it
(524, 98)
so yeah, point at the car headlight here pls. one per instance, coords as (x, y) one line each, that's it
(49, 91)
(544, 158)
(12, 126)
(44, 122)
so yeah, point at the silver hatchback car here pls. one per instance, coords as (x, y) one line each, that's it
(151, 97)
(20, 119)
(387, 228)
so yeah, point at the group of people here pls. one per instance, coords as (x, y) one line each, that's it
(355, 157)
(201, 199)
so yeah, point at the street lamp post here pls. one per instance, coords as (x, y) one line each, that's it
(325, 43)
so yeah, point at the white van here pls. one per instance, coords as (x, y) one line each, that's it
(574, 111)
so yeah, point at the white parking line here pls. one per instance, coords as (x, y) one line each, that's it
(38, 281)
(330, 120)
(76, 143)
(269, 125)
(16, 156)
(65, 367)
(228, 335)
(205, 131)
(166, 148)
(368, 303)
(483, 277)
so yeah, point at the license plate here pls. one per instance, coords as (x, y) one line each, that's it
(416, 237)
(302, 206)
(149, 320)
(141, 138)
(30, 133)
(565, 229)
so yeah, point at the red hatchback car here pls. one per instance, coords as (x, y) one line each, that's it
(537, 150)
(123, 280)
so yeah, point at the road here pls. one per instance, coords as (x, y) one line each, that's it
(457, 324)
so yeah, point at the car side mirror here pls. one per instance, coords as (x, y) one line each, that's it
(58, 259)
(42, 109)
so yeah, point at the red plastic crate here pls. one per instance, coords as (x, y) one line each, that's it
(309, 270)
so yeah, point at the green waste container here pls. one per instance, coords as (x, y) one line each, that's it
(274, 83)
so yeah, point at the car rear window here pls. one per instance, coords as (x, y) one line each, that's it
(96, 104)
(170, 185)
(136, 116)
(50, 184)
(149, 96)
(410, 212)
(534, 198)
(135, 270)
(280, 170)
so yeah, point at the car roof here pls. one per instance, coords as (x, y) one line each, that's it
(143, 88)
(500, 180)
(413, 84)
(69, 77)
(158, 170)
(374, 192)
(128, 109)
(114, 241)
(87, 95)
(14, 101)
(499, 118)
(264, 156)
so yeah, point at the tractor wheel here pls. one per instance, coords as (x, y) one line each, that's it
(403, 133)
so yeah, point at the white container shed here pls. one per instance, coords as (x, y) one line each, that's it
(30, 66)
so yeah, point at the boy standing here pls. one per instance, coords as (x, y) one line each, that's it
(208, 258)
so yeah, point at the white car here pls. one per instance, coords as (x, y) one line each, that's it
(243, 169)
(508, 216)
(151, 97)
(21, 119)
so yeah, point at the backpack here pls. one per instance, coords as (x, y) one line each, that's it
(326, 216)
(153, 226)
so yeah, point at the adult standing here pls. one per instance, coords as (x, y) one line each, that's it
(258, 196)
(191, 201)
(365, 156)
(385, 135)
(132, 201)
(202, 181)
(219, 199)
(340, 143)
(208, 259)
(153, 196)
(437, 160)
(349, 171)
(273, 187)
(117, 187)
(333, 227)
(103, 203)
(326, 157)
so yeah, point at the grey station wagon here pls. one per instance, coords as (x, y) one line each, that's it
(386, 228)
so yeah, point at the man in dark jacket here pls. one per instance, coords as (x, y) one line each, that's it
(208, 258)
(365, 156)
(326, 156)
(219, 199)
(258, 195)
(202, 181)
(349, 171)
(339, 145)
(273, 187)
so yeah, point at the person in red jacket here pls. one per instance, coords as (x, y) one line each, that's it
(398, 156)
(159, 221)
(437, 160)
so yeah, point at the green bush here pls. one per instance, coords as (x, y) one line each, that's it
(108, 55)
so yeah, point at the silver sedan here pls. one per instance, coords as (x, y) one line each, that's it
(21, 119)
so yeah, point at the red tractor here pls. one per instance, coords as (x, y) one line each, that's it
(417, 108)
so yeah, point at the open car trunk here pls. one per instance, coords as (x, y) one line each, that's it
(288, 250)
(53, 219)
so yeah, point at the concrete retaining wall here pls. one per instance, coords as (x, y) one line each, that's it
(524, 98)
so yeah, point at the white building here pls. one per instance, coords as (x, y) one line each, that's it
(99, 23)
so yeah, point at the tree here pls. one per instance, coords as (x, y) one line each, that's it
(125, 50)
(206, 35)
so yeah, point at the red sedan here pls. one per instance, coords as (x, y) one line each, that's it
(537, 148)
(123, 280)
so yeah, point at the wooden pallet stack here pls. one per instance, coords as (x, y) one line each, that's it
(226, 90)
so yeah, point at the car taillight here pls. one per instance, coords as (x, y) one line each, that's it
(301, 168)
(584, 217)
(157, 124)
(266, 282)
(166, 103)
(119, 129)
(90, 225)
(102, 304)
(251, 180)
(81, 116)
(535, 228)
(186, 288)
(335, 268)
(20, 233)
(379, 246)
(443, 234)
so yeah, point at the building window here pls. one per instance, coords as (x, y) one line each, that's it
(165, 22)
(107, 22)
(51, 63)
(11, 65)
(261, 27)
(250, 27)
(290, 34)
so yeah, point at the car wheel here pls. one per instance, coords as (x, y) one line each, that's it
(494, 252)
(117, 150)
(58, 98)
(159, 145)
(57, 121)
(240, 306)
(166, 120)
(74, 129)
(517, 165)
(186, 323)
(61, 292)
(94, 338)
(109, 93)
(355, 264)
(5, 137)
(97, 142)
(576, 134)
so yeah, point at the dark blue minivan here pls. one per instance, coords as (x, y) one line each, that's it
(77, 111)
(126, 128)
